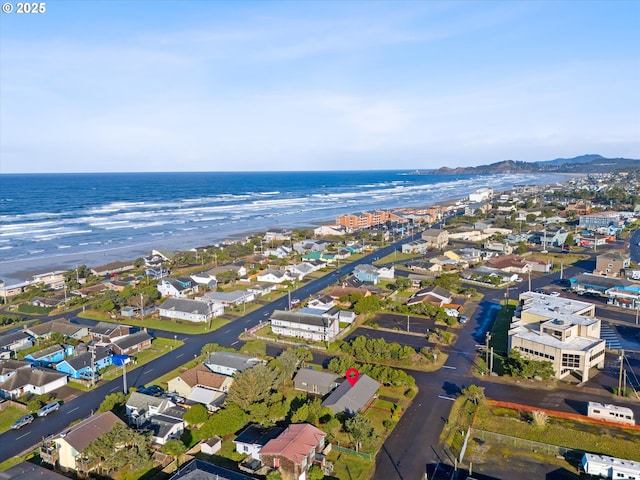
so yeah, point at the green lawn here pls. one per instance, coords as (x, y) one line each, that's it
(167, 325)
(350, 467)
(8, 416)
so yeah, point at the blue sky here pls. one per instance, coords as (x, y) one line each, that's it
(315, 85)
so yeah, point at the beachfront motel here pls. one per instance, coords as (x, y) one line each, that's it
(562, 331)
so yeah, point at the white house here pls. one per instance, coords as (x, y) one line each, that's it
(190, 310)
(177, 287)
(251, 440)
(273, 276)
(237, 297)
(299, 325)
(209, 281)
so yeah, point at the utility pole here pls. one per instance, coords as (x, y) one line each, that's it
(141, 307)
(561, 270)
(529, 280)
(407, 323)
(487, 339)
(93, 368)
(620, 376)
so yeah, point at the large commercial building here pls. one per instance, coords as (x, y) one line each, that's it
(562, 331)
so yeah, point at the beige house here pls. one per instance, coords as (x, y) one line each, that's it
(199, 376)
(611, 264)
(562, 331)
(66, 448)
(436, 238)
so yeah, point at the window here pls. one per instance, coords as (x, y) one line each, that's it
(570, 360)
(276, 463)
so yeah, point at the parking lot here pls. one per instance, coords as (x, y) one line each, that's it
(414, 341)
(392, 321)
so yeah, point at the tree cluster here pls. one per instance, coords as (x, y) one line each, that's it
(121, 448)
(517, 366)
(381, 373)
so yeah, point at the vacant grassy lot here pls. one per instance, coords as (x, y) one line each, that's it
(189, 328)
(8, 416)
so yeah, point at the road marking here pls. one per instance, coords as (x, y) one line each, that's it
(446, 398)
(114, 389)
(149, 371)
(235, 342)
(178, 356)
(227, 331)
(22, 436)
(448, 366)
(71, 411)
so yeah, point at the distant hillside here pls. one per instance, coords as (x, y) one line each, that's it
(591, 163)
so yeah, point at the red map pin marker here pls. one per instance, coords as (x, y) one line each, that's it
(352, 375)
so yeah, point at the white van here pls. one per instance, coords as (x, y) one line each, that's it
(48, 408)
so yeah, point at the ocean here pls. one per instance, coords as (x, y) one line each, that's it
(59, 221)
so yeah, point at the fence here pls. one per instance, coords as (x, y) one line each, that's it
(351, 452)
(530, 445)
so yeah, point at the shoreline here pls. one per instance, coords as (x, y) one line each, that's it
(23, 269)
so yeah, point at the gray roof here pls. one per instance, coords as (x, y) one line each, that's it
(315, 377)
(46, 351)
(258, 435)
(231, 297)
(11, 364)
(200, 470)
(350, 399)
(80, 435)
(301, 318)
(104, 328)
(186, 306)
(236, 361)
(132, 339)
(432, 232)
(30, 376)
(160, 425)
(30, 471)
(63, 326)
(12, 337)
(84, 359)
(365, 268)
(603, 282)
(142, 401)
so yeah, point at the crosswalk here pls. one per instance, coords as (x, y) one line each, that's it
(609, 334)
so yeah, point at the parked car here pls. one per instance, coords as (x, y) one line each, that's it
(22, 421)
(153, 390)
(463, 319)
(48, 408)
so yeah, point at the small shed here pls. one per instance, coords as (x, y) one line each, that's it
(211, 446)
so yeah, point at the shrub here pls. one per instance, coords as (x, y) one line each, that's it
(539, 418)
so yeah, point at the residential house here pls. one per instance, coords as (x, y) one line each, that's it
(140, 407)
(562, 331)
(177, 287)
(436, 238)
(15, 341)
(416, 247)
(87, 291)
(132, 343)
(105, 332)
(165, 255)
(388, 273)
(345, 291)
(538, 265)
(253, 438)
(277, 234)
(321, 258)
(231, 269)
(476, 208)
(211, 399)
(26, 470)
(481, 195)
(625, 297)
(10, 366)
(498, 247)
(352, 399)
(113, 267)
(315, 381)
(198, 469)
(612, 264)
(228, 299)
(37, 381)
(509, 264)
(309, 245)
(295, 450)
(60, 325)
(50, 356)
(274, 276)
(208, 281)
(165, 426)
(153, 261)
(436, 296)
(79, 367)
(190, 310)
(54, 280)
(310, 327)
(229, 363)
(261, 289)
(280, 252)
(427, 268)
(48, 302)
(199, 376)
(66, 449)
(321, 302)
(300, 270)
(367, 273)
(329, 230)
